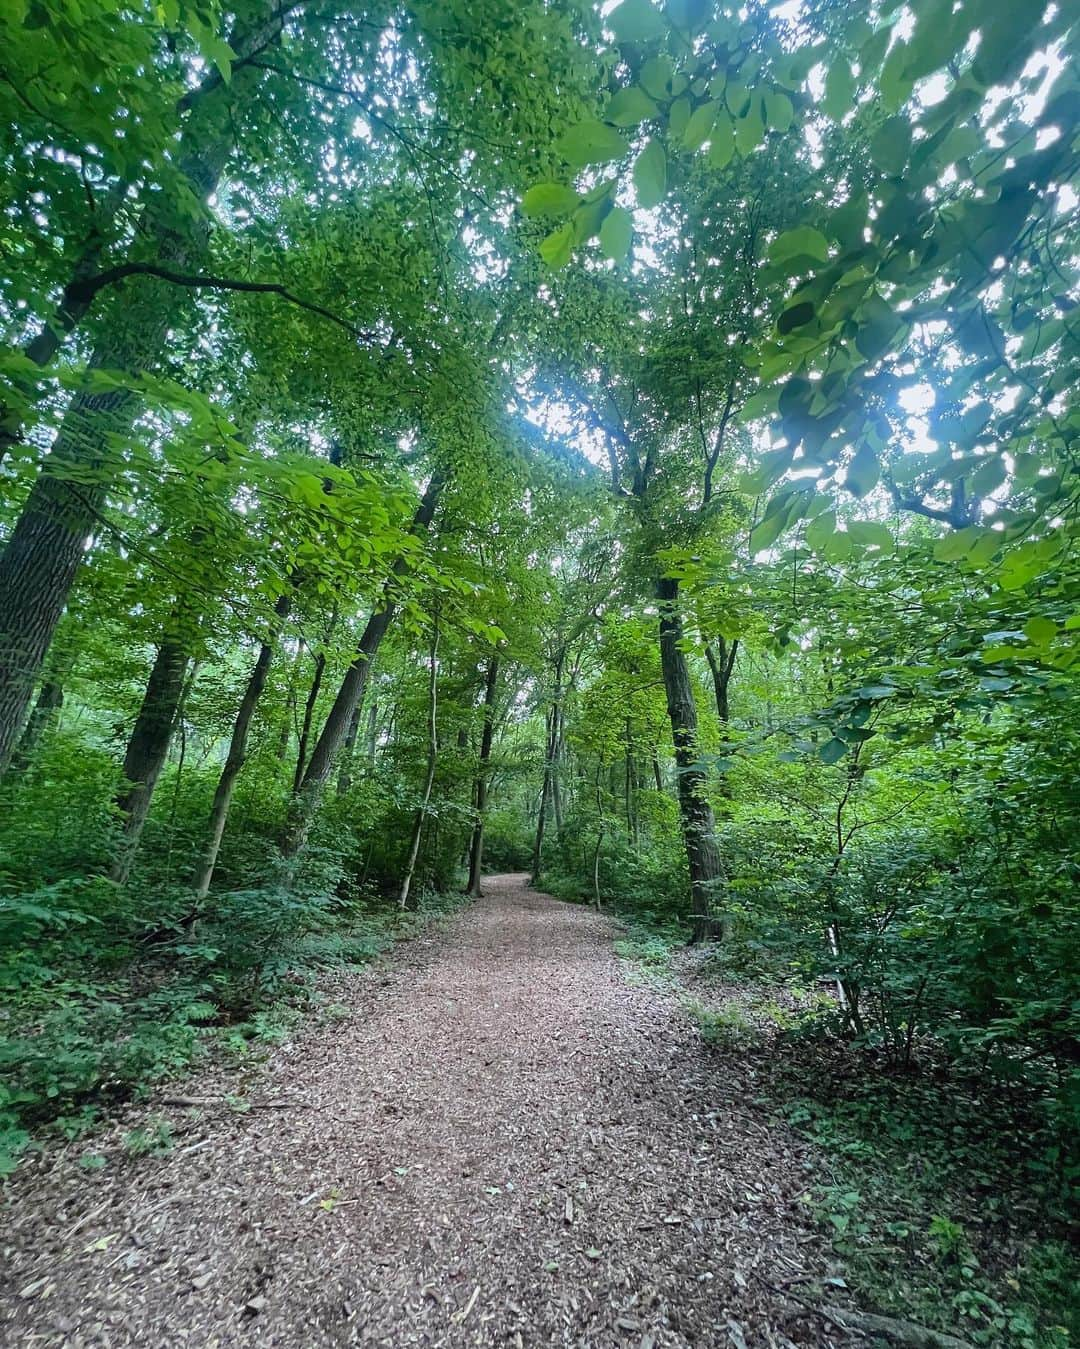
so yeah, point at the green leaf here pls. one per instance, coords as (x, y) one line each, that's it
(839, 90)
(801, 242)
(636, 21)
(1040, 631)
(630, 106)
(656, 74)
(721, 142)
(891, 146)
(690, 16)
(700, 125)
(765, 534)
(650, 175)
(679, 117)
(557, 248)
(749, 131)
(616, 233)
(779, 112)
(863, 471)
(832, 751)
(820, 531)
(590, 142)
(872, 534)
(796, 316)
(549, 199)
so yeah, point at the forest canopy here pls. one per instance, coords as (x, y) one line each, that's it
(632, 443)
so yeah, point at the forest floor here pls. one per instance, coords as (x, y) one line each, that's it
(500, 1141)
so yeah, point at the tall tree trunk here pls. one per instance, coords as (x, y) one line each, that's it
(290, 706)
(309, 713)
(234, 760)
(696, 817)
(350, 695)
(549, 791)
(49, 701)
(429, 777)
(348, 749)
(556, 772)
(148, 748)
(476, 845)
(49, 542)
(721, 660)
(545, 796)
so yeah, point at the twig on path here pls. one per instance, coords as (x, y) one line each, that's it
(86, 1218)
(460, 1316)
(870, 1323)
(192, 1101)
(903, 1332)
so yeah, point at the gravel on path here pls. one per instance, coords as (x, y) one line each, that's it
(505, 1143)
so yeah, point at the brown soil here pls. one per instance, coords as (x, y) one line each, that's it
(504, 1143)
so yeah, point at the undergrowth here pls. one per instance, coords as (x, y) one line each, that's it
(91, 1020)
(947, 1198)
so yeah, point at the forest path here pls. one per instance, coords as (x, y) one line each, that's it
(505, 1143)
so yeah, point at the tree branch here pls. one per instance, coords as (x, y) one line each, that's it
(85, 290)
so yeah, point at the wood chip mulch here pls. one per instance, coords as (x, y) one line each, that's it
(504, 1143)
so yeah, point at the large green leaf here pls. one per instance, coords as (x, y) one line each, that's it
(630, 106)
(616, 233)
(801, 242)
(557, 248)
(590, 142)
(863, 472)
(650, 175)
(636, 21)
(549, 199)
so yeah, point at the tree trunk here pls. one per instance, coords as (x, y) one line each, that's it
(556, 774)
(49, 701)
(351, 693)
(429, 778)
(695, 813)
(234, 760)
(549, 791)
(545, 796)
(722, 663)
(49, 542)
(476, 845)
(148, 749)
(348, 749)
(721, 660)
(309, 713)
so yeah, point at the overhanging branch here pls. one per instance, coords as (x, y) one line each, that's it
(85, 290)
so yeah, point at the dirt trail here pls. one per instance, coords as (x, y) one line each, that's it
(505, 1143)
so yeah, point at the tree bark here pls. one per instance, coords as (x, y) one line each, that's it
(721, 660)
(722, 663)
(309, 713)
(695, 813)
(49, 701)
(549, 791)
(545, 795)
(429, 777)
(350, 695)
(234, 760)
(148, 749)
(487, 736)
(49, 542)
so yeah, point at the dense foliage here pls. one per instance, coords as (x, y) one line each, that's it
(634, 444)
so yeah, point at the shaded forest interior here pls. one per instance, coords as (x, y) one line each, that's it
(633, 445)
